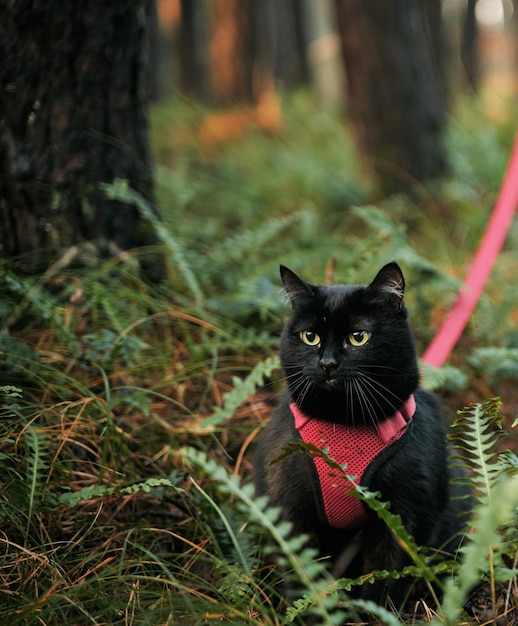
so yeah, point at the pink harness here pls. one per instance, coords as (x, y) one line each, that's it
(356, 446)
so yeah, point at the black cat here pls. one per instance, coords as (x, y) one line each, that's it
(351, 368)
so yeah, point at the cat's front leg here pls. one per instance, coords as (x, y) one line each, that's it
(382, 553)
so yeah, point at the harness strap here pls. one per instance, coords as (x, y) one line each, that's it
(354, 446)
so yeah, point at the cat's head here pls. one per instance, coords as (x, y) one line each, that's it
(347, 350)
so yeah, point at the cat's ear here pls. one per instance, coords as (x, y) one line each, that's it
(390, 282)
(296, 288)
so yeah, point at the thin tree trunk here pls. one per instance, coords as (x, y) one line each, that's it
(469, 53)
(323, 51)
(193, 49)
(291, 68)
(394, 100)
(439, 44)
(73, 114)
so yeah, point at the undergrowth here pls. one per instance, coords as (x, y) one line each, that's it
(127, 408)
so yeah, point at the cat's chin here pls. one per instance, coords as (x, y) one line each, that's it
(330, 384)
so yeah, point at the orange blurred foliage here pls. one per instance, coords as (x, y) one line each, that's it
(229, 125)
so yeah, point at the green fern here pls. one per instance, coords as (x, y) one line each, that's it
(91, 492)
(37, 469)
(238, 247)
(9, 396)
(478, 428)
(485, 539)
(495, 486)
(422, 568)
(292, 553)
(242, 389)
(120, 190)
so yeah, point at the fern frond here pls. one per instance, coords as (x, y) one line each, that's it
(304, 604)
(91, 492)
(237, 248)
(478, 428)
(308, 571)
(9, 396)
(484, 540)
(120, 190)
(494, 479)
(241, 390)
(370, 498)
(36, 468)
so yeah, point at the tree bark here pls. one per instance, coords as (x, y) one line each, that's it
(395, 102)
(73, 115)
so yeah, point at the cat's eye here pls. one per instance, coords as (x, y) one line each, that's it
(310, 338)
(358, 338)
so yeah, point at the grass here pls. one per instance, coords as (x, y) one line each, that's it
(128, 408)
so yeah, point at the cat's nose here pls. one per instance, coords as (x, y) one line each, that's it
(328, 364)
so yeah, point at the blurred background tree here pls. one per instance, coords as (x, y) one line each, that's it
(75, 85)
(396, 99)
(73, 114)
(392, 67)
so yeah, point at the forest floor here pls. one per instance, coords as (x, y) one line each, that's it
(137, 404)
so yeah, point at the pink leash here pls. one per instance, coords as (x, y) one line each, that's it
(490, 246)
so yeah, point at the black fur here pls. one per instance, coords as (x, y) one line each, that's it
(355, 384)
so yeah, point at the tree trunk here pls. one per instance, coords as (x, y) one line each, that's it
(469, 47)
(291, 67)
(73, 114)
(440, 48)
(230, 51)
(395, 102)
(278, 45)
(193, 49)
(323, 51)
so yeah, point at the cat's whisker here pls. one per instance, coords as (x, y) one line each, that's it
(365, 406)
(350, 397)
(377, 384)
(369, 400)
(376, 366)
(300, 385)
(305, 391)
(380, 391)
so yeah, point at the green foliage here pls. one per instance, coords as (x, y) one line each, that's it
(301, 567)
(477, 157)
(447, 378)
(120, 502)
(100, 491)
(495, 486)
(24, 494)
(495, 482)
(485, 540)
(119, 190)
(9, 395)
(242, 389)
(495, 363)
(480, 427)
